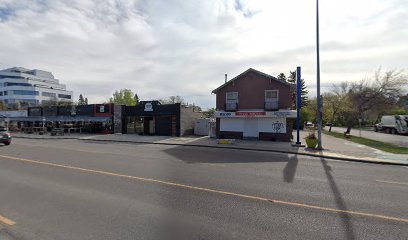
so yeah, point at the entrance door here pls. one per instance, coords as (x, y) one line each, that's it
(163, 126)
(251, 128)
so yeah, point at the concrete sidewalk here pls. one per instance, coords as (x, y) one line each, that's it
(334, 148)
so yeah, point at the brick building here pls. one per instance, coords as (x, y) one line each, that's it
(254, 105)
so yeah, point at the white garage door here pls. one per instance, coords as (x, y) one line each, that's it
(251, 127)
(232, 124)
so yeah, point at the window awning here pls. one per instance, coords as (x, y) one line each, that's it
(61, 119)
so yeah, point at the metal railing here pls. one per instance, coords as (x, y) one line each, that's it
(271, 105)
(231, 106)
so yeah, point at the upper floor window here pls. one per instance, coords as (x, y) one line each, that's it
(48, 94)
(271, 100)
(9, 84)
(232, 101)
(66, 96)
(21, 92)
(232, 97)
(271, 95)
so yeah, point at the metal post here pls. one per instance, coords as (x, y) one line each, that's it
(298, 103)
(319, 114)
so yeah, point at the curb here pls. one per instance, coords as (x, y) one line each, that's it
(232, 148)
(252, 149)
(46, 138)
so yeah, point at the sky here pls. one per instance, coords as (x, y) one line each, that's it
(160, 48)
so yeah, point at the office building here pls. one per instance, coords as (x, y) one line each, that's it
(25, 87)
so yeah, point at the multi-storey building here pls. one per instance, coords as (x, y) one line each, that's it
(31, 87)
(254, 105)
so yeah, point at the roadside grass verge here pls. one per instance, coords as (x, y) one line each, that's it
(386, 147)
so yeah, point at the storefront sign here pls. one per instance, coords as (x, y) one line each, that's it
(148, 107)
(250, 114)
(103, 110)
(277, 114)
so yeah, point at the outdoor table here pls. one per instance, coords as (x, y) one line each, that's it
(72, 129)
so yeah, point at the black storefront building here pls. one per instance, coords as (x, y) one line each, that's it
(153, 118)
(92, 118)
(146, 118)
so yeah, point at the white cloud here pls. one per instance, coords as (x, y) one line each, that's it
(162, 48)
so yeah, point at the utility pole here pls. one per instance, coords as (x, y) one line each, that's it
(319, 102)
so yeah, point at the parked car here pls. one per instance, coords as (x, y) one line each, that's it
(393, 124)
(5, 136)
(309, 124)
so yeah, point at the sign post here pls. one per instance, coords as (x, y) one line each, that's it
(298, 106)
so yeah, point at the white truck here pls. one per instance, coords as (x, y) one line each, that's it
(393, 124)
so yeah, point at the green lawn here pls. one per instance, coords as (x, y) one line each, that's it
(386, 147)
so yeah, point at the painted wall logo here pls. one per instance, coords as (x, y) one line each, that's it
(278, 127)
(148, 107)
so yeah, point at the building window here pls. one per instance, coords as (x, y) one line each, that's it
(232, 97)
(271, 95)
(21, 92)
(232, 101)
(48, 94)
(9, 84)
(65, 96)
(271, 99)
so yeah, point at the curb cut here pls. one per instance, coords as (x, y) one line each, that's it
(251, 149)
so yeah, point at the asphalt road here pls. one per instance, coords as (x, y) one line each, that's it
(68, 189)
(399, 140)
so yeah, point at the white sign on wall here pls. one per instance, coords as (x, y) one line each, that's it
(254, 114)
(268, 125)
(148, 107)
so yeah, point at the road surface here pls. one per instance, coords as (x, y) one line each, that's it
(399, 140)
(69, 189)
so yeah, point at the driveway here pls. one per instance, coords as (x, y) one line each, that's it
(399, 140)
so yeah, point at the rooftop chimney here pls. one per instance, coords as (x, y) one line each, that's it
(225, 77)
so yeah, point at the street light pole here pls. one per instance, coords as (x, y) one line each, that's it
(319, 109)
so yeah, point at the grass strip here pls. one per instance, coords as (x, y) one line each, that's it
(386, 147)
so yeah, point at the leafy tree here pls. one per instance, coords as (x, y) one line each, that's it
(382, 92)
(303, 91)
(172, 100)
(209, 113)
(281, 77)
(123, 97)
(136, 98)
(2, 105)
(82, 100)
(336, 102)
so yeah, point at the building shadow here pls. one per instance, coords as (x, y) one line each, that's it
(290, 169)
(189, 154)
(345, 217)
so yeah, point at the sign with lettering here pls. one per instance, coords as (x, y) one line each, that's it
(250, 114)
(148, 107)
